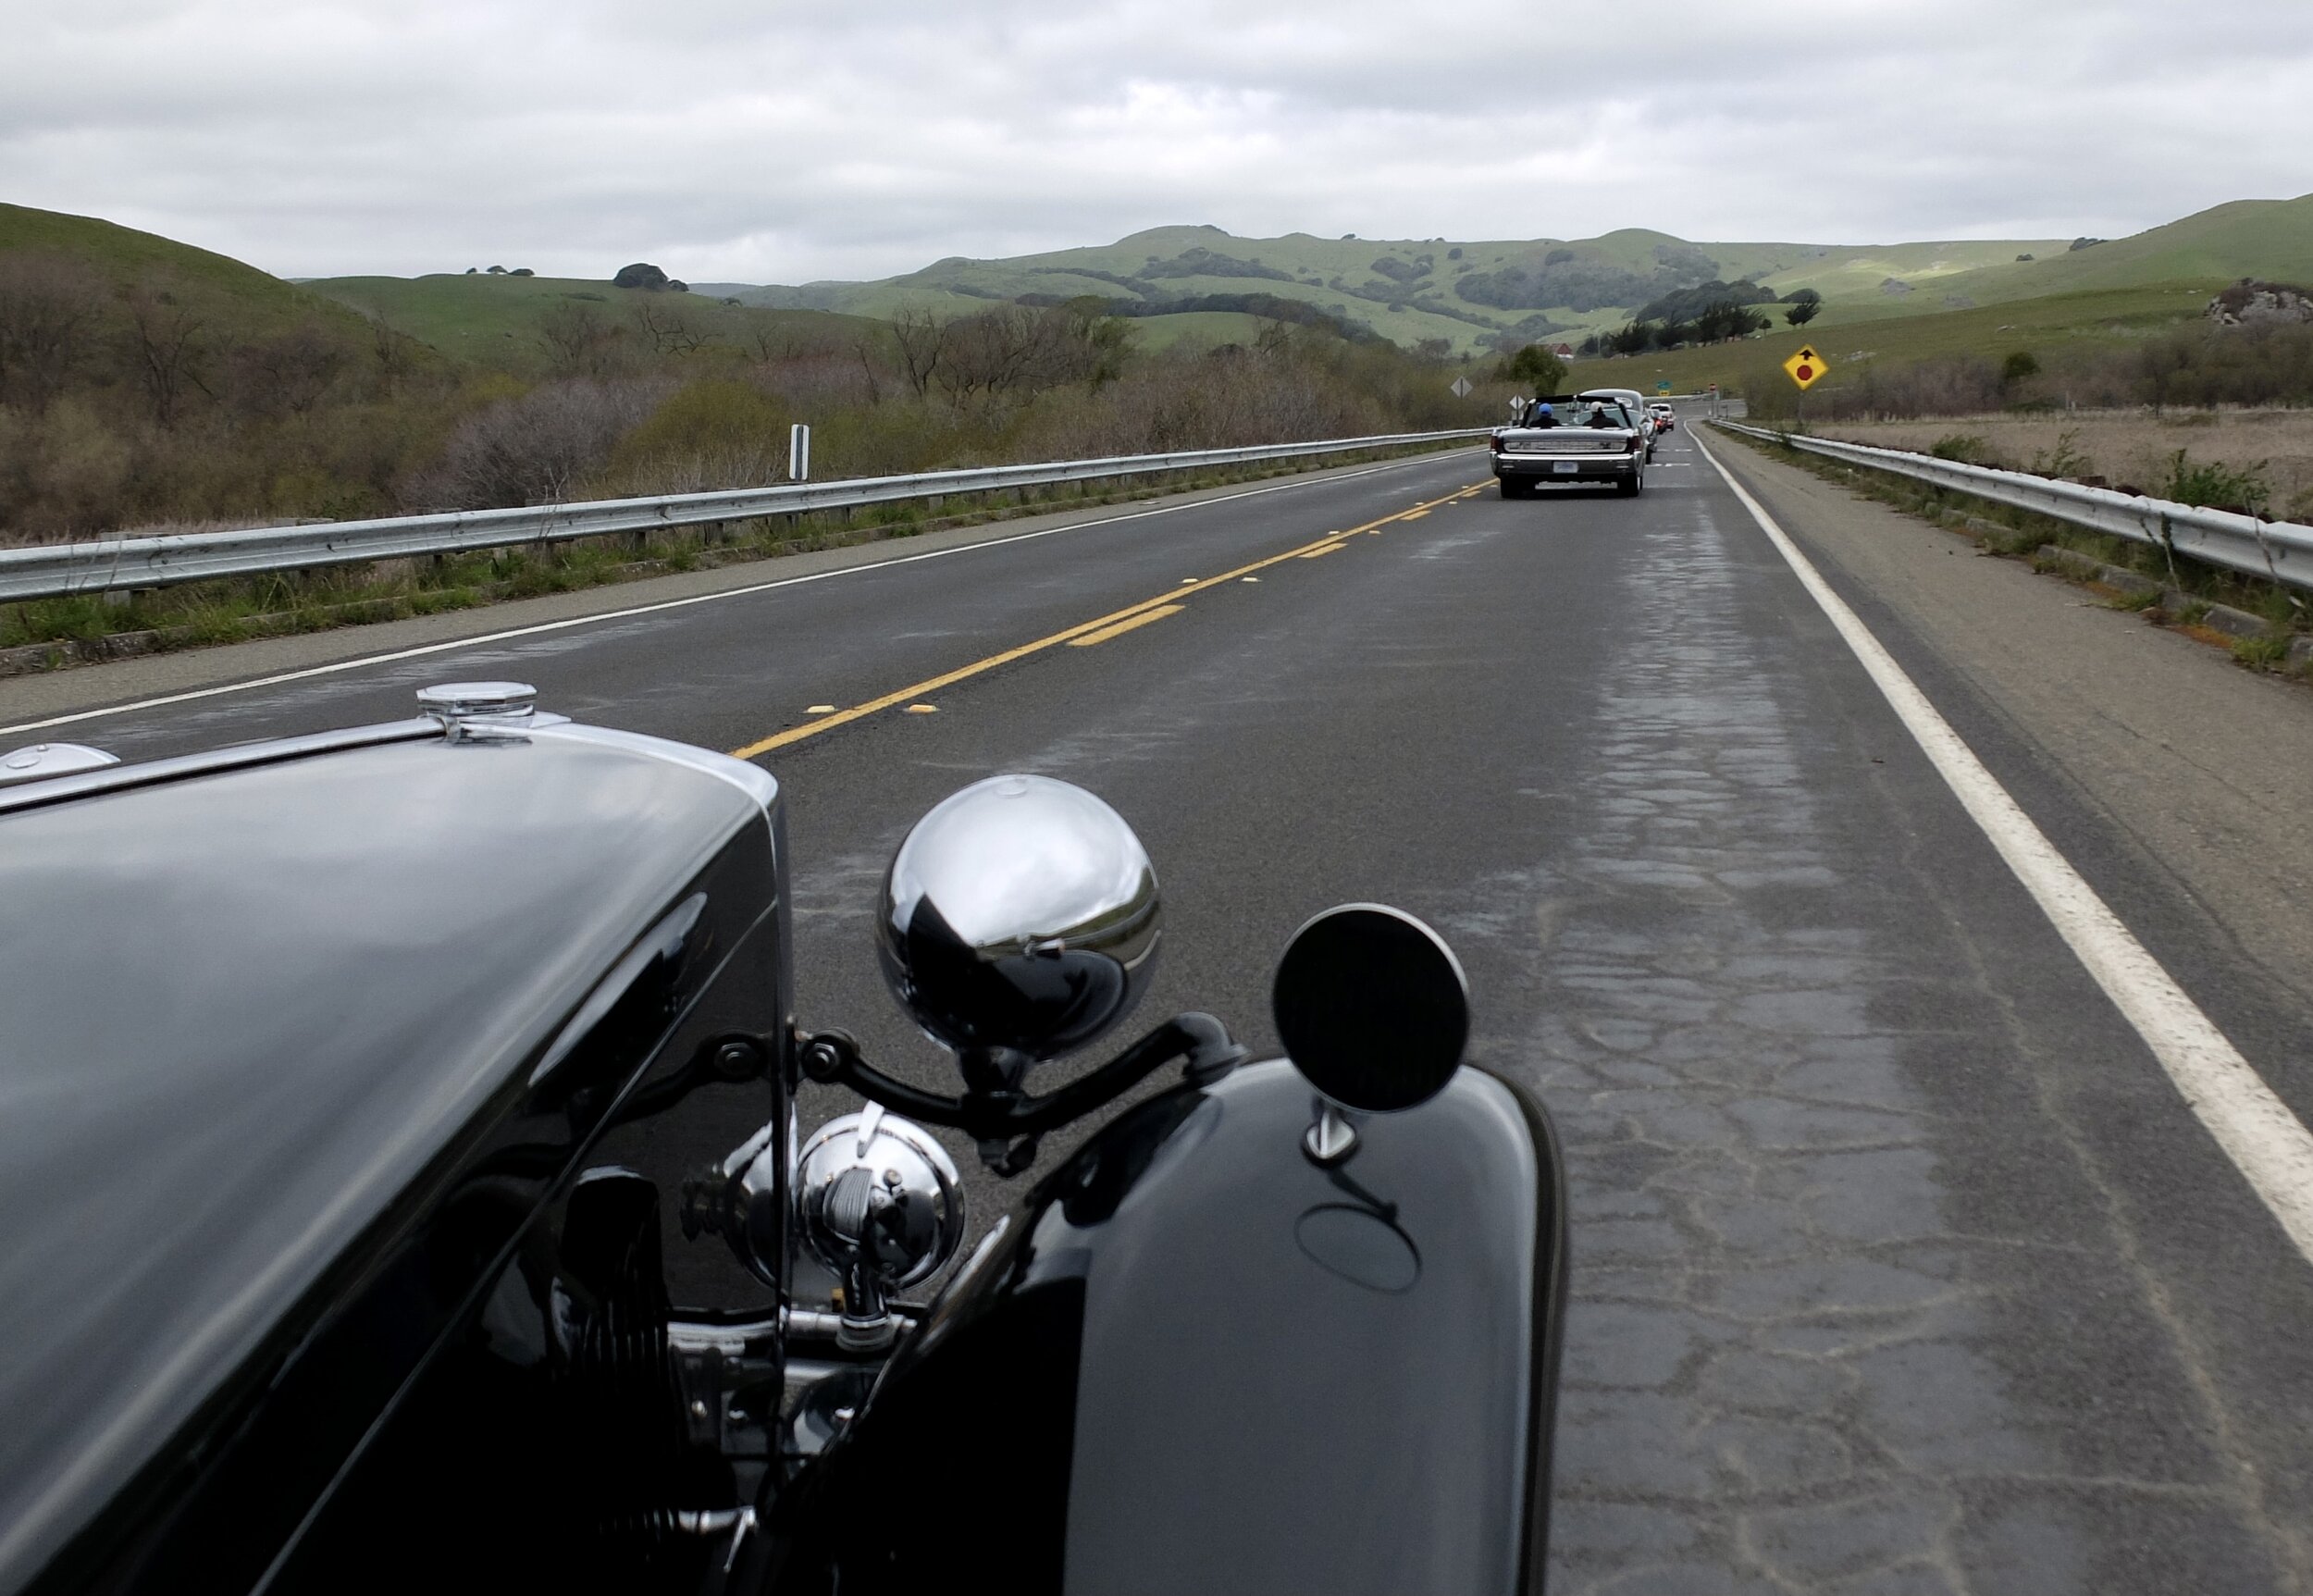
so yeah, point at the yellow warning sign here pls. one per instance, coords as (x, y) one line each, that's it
(1806, 367)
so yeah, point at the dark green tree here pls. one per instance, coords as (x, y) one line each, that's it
(1534, 363)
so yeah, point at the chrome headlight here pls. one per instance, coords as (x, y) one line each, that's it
(1019, 919)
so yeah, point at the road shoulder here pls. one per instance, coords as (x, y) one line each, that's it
(2200, 766)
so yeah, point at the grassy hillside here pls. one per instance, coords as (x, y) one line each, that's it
(497, 321)
(1468, 293)
(2270, 238)
(1210, 328)
(2044, 328)
(120, 258)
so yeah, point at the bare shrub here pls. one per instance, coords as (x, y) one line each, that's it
(582, 341)
(64, 472)
(167, 347)
(710, 435)
(1217, 398)
(671, 328)
(818, 381)
(48, 320)
(536, 449)
(292, 371)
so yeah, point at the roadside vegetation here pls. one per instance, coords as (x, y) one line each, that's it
(2259, 460)
(146, 386)
(2194, 364)
(2263, 625)
(2048, 328)
(54, 632)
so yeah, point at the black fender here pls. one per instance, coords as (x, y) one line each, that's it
(1195, 1360)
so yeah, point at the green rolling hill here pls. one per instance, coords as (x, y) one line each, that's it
(496, 321)
(121, 258)
(2267, 239)
(1203, 285)
(1467, 293)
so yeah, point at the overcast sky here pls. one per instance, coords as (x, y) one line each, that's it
(753, 141)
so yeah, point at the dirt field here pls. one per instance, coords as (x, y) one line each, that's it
(2128, 448)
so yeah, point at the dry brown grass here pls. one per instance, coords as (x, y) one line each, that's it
(2128, 448)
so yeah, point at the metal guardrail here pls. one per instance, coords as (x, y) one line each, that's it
(2278, 550)
(50, 570)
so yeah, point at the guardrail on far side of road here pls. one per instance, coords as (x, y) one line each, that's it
(55, 570)
(2278, 550)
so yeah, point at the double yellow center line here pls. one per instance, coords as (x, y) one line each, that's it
(1095, 631)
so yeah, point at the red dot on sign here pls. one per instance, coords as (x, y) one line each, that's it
(1805, 372)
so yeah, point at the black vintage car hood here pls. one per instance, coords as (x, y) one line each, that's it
(240, 1010)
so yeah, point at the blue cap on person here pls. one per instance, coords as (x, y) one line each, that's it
(1546, 411)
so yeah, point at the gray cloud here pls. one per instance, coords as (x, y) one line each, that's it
(737, 142)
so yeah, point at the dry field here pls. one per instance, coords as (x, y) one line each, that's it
(2127, 447)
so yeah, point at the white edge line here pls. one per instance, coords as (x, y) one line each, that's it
(487, 639)
(2267, 1143)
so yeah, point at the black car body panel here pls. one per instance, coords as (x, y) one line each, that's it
(1198, 1360)
(298, 1049)
(356, 1091)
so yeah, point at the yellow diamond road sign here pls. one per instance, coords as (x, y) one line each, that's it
(1806, 367)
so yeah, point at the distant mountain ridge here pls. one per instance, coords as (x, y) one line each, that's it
(1470, 294)
(1473, 292)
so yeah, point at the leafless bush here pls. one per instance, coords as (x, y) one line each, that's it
(1012, 350)
(921, 339)
(48, 318)
(582, 341)
(670, 329)
(292, 371)
(1218, 399)
(818, 381)
(536, 449)
(166, 348)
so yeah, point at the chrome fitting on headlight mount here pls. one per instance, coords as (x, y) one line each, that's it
(1005, 1122)
(878, 1202)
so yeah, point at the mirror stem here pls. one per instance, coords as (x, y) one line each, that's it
(1331, 1138)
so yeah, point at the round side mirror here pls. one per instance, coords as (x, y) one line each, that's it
(1019, 919)
(1372, 1007)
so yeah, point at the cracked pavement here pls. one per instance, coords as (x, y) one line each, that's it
(1803, 1352)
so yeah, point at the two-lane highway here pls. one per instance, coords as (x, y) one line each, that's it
(1900, 1264)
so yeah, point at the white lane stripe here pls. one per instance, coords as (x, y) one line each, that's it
(2265, 1142)
(486, 639)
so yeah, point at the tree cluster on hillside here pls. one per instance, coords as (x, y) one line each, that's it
(1583, 281)
(1715, 323)
(1686, 304)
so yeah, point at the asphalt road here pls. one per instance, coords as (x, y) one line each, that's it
(1899, 1265)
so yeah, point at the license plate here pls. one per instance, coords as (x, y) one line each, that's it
(1566, 467)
